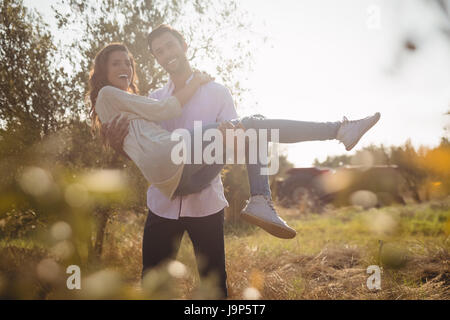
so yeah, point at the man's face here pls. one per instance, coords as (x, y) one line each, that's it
(170, 53)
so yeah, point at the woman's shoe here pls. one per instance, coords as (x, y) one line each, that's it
(350, 132)
(260, 211)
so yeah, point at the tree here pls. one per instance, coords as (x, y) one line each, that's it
(208, 26)
(38, 129)
(32, 97)
(32, 87)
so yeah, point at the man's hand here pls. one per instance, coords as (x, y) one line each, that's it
(223, 127)
(115, 132)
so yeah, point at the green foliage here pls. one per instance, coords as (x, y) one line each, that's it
(33, 93)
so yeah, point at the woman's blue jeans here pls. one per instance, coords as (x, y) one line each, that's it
(196, 177)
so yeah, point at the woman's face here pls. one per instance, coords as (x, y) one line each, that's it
(119, 69)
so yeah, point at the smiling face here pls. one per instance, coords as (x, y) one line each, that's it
(170, 53)
(120, 69)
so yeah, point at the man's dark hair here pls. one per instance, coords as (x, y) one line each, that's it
(163, 28)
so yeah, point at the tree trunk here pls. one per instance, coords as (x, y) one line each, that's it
(102, 221)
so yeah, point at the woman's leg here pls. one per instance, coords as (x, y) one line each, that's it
(196, 177)
(292, 131)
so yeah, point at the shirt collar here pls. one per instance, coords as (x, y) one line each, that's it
(169, 87)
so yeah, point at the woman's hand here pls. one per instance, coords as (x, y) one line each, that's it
(189, 90)
(201, 78)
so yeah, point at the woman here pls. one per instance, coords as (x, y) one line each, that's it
(113, 92)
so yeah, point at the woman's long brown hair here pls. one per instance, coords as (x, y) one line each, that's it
(98, 78)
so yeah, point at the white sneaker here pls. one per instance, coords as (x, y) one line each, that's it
(260, 211)
(350, 132)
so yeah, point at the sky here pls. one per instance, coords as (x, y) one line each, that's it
(325, 59)
(331, 59)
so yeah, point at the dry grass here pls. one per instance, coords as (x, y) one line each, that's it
(327, 260)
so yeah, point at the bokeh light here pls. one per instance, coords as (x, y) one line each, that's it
(63, 249)
(61, 231)
(251, 293)
(105, 181)
(35, 181)
(382, 223)
(335, 181)
(101, 285)
(364, 198)
(76, 195)
(177, 269)
(48, 270)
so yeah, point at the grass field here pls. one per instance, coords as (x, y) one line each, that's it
(327, 260)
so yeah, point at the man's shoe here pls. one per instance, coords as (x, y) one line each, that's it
(260, 211)
(350, 132)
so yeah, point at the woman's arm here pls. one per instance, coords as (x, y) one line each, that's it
(186, 93)
(112, 101)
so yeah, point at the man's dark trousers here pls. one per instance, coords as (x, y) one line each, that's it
(162, 238)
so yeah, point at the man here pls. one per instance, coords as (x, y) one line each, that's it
(200, 214)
